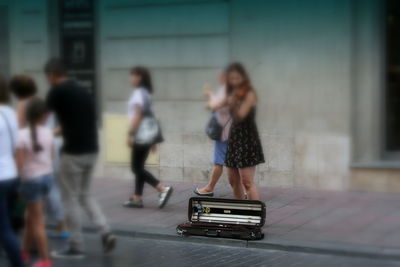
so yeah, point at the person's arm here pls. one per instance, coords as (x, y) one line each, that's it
(216, 103)
(134, 124)
(53, 147)
(21, 115)
(217, 100)
(57, 131)
(20, 158)
(241, 110)
(19, 151)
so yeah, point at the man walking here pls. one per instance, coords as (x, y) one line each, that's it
(75, 109)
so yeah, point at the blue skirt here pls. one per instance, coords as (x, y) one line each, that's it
(220, 152)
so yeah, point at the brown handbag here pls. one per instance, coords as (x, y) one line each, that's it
(228, 218)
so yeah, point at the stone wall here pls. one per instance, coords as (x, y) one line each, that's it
(316, 66)
(299, 58)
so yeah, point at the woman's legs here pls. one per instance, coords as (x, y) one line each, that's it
(247, 178)
(220, 149)
(7, 237)
(216, 174)
(28, 240)
(236, 183)
(139, 156)
(36, 228)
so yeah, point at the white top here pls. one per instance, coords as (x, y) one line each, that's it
(137, 99)
(40, 163)
(223, 114)
(8, 168)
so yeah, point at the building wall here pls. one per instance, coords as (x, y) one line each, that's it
(297, 52)
(29, 39)
(316, 66)
(4, 40)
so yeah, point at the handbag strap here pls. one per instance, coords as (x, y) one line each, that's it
(147, 104)
(226, 123)
(8, 126)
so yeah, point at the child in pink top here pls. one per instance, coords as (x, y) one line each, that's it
(35, 151)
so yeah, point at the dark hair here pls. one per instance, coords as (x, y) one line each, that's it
(23, 86)
(145, 77)
(239, 68)
(4, 93)
(35, 110)
(55, 66)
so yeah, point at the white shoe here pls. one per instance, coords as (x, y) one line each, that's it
(164, 196)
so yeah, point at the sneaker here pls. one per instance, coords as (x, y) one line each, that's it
(42, 263)
(133, 204)
(109, 242)
(68, 253)
(164, 196)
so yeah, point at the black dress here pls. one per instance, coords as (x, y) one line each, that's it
(244, 145)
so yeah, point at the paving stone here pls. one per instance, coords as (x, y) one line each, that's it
(292, 214)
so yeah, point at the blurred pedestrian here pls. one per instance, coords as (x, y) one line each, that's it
(8, 176)
(35, 152)
(140, 106)
(74, 107)
(244, 151)
(217, 102)
(24, 89)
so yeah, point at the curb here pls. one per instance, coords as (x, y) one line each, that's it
(327, 248)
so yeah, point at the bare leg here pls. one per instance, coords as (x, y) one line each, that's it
(236, 183)
(28, 239)
(37, 221)
(160, 188)
(216, 174)
(247, 177)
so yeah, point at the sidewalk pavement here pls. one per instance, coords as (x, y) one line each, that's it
(297, 219)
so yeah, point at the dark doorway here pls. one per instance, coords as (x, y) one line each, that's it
(392, 96)
(77, 40)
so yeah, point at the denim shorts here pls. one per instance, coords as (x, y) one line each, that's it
(219, 152)
(36, 189)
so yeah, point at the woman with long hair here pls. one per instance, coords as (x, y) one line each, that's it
(218, 104)
(24, 89)
(35, 152)
(8, 176)
(244, 151)
(139, 104)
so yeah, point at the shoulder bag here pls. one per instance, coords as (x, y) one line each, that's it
(149, 130)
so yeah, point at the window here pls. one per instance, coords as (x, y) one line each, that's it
(392, 95)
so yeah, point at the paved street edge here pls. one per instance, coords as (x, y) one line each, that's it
(330, 248)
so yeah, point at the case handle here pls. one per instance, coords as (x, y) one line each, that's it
(212, 233)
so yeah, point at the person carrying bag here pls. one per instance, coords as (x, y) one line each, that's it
(143, 136)
(149, 130)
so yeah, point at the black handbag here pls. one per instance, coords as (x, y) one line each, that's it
(214, 129)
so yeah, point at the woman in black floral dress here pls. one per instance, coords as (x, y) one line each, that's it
(244, 147)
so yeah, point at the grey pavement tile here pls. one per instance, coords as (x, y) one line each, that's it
(326, 215)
